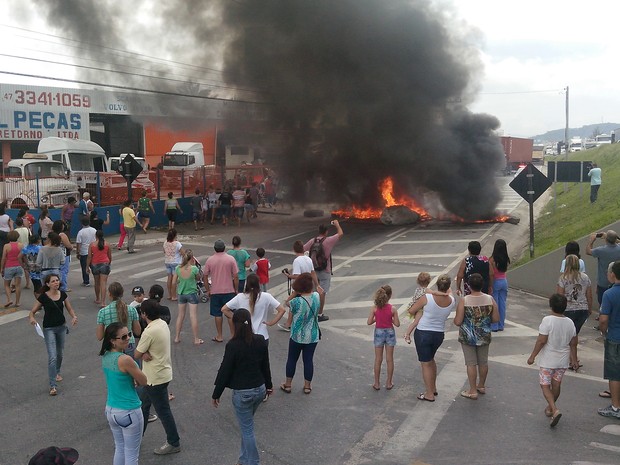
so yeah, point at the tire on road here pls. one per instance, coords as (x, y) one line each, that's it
(314, 213)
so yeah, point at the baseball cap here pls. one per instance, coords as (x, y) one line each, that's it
(137, 290)
(219, 245)
(55, 456)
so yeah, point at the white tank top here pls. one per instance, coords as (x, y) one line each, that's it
(434, 317)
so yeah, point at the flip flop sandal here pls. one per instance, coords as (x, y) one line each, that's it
(376, 388)
(307, 390)
(605, 394)
(469, 396)
(555, 418)
(423, 397)
(285, 388)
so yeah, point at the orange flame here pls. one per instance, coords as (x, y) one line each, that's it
(386, 188)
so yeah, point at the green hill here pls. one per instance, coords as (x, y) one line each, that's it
(574, 216)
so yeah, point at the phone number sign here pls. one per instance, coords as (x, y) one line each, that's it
(31, 113)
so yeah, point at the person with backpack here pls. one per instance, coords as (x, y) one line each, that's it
(320, 252)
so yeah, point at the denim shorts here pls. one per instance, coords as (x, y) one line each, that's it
(578, 317)
(218, 301)
(170, 267)
(611, 365)
(13, 272)
(188, 298)
(385, 337)
(427, 343)
(100, 268)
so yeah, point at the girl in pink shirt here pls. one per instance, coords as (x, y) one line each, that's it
(385, 318)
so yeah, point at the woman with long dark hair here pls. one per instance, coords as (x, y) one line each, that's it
(260, 304)
(245, 370)
(98, 263)
(123, 406)
(304, 304)
(45, 224)
(572, 248)
(499, 262)
(53, 301)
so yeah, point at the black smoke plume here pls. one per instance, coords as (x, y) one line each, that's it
(364, 89)
(370, 88)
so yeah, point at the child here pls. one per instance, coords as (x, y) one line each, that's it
(138, 296)
(261, 268)
(424, 279)
(386, 317)
(556, 343)
(29, 257)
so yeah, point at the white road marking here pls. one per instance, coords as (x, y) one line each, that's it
(11, 317)
(397, 232)
(292, 235)
(605, 447)
(431, 241)
(611, 429)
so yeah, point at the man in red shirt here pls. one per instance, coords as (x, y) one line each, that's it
(325, 275)
(224, 274)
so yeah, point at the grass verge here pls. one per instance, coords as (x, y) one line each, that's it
(571, 215)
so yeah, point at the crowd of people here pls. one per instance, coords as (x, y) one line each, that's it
(136, 339)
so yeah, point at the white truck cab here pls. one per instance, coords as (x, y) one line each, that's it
(116, 161)
(184, 155)
(75, 154)
(35, 175)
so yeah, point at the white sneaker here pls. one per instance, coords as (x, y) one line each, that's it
(285, 328)
(152, 418)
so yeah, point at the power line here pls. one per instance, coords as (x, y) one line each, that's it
(203, 68)
(137, 89)
(40, 60)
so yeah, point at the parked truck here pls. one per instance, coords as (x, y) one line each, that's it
(35, 181)
(518, 151)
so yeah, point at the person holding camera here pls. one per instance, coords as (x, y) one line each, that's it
(595, 181)
(605, 254)
(320, 251)
(301, 264)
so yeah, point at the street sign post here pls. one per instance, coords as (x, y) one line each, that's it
(530, 184)
(130, 169)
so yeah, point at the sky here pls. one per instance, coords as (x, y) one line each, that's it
(531, 51)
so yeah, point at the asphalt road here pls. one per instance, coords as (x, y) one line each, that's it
(343, 420)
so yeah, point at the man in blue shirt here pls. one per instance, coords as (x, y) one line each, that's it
(609, 324)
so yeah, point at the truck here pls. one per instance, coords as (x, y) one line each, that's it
(184, 155)
(116, 161)
(518, 151)
(34, 180)
(576, 145)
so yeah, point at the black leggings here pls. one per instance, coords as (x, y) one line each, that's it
(307, 351)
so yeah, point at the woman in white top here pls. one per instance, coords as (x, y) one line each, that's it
(430, 326)
(45, 223)
(173, 256)
(6, 223)
(259, 303)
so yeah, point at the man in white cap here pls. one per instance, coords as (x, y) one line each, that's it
(224, 273)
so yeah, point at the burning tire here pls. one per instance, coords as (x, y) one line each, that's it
(314, 213)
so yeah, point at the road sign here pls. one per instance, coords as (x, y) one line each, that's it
(530, 183)
(130, 169)
(569, 171)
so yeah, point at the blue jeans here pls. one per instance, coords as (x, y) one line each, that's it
(55, 343)
(294, 349)
(126, 426)
(500, 292)
(85, 275)
(64, 272)
(245, 402)
(158, 397)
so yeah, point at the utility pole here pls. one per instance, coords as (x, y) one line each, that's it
(566, 128)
